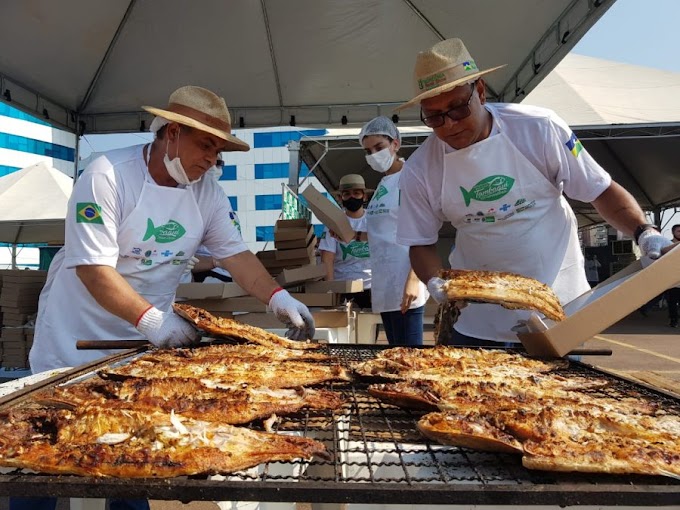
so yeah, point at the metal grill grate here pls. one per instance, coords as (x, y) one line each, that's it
(378, 456)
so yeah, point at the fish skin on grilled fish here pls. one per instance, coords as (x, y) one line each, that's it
(191, 398)
(220, 327)
(151, 444)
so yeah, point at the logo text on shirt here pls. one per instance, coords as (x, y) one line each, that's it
(488, 189)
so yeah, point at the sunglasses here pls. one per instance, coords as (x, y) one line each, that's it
(456, 113)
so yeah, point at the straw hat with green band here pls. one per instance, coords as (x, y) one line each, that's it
(443, 67)
(200, 108)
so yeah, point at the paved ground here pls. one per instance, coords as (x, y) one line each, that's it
(645, 348)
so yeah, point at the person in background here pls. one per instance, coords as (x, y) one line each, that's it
(498, 172)
(591, 266)
(349, 261)
(396, 292)
(673, 294)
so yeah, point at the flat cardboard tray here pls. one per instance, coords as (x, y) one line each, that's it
(596, 310)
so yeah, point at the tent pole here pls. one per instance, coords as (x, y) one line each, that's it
(14, 256)
(77, 156)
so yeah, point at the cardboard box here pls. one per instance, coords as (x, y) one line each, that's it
(331, 318)
(337, 286)
(296, 243)
(289, 277)
(209, 290)
(237, 304)
(291, 230)
(296, 253)
(596, 310)
(309, 299)
(329, 214)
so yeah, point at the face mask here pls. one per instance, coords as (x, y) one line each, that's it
(380, 161)
(175, 168)
(353, 204)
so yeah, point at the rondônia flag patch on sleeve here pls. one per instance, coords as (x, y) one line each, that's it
(89, 212)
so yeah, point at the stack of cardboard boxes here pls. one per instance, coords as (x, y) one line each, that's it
(18, 304)
(294, 243)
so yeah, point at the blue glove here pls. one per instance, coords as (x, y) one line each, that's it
(651, 242)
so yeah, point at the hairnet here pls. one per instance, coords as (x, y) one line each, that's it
(157, 123)
(380, 126)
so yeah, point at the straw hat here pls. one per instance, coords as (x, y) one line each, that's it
(441, 68)
(200, 108)
(352, 181)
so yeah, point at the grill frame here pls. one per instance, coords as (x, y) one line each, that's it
(327, 481)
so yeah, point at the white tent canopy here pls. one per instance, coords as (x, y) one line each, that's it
(634, 133)
(88, 65)
(34, 203)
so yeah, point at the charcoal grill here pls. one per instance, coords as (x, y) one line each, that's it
(379, 457)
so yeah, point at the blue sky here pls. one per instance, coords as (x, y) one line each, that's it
(640, 32)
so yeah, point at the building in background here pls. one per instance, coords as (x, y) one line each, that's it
(252, 180)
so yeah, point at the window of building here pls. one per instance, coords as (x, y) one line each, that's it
(264, 233)
(228, 173)
(267, 202)
(23, 144)
(234, 203)
(318, 230)
(271, 170)
(9, 111)
(281, 138)
(6, 170)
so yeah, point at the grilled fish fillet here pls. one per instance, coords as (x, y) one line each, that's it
(134, 444)
(222, 327)
(509, 290)
(191, 398)
(230, 372)
(218, 353)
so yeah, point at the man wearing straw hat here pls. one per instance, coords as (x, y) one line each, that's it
(135, 219)
(497, 173)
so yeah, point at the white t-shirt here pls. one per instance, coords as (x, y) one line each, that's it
(539, 134)
(114, 181)
(351, 259)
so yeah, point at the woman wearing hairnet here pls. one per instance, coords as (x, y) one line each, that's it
(397, 293)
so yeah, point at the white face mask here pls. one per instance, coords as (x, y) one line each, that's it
(380, 161)
(175, 168)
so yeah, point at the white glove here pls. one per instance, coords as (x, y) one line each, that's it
(293, 314)
(651, 243)
(435, 287)
(190, 265)
(166, 329)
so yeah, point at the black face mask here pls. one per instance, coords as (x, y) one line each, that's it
(353, 204)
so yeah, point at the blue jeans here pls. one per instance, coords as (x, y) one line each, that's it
(404, 328)
(51, 503)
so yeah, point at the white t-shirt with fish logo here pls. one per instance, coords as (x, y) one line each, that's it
(351, 259)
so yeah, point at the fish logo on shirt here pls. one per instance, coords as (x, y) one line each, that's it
(382, 191)
(167, 233)
(489, 189)
(574, 145)
(89, 212)
(356, 249)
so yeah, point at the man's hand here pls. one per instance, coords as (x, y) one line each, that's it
(651, 242)
(166, 329)
(435, 287)
(293, 314)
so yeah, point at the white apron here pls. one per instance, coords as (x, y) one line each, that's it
(508, 217)
(390, 264)
(155, 242)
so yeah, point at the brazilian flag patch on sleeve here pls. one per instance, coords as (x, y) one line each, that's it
(89, 212)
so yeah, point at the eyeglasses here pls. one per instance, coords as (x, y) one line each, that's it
(356, 193)
(456, 113)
